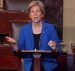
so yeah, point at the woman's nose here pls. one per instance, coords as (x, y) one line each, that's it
(35, 13)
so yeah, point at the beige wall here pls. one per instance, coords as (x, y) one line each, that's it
(69, 23)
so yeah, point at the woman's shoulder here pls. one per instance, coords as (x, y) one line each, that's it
(48, 24)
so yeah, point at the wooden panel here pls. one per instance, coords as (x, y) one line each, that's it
(13, 15)
(5, 27)
(6, 50)
(73, 51)
(8, 61)
(73, 61)
(62, 62)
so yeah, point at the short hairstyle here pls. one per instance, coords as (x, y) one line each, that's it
(38, 3)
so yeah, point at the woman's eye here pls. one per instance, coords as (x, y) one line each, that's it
(38, 11)
(32, 11)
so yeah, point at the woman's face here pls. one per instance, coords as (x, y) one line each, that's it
(35, 14)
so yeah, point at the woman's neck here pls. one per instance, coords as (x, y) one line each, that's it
(37, 27)
(37, 24)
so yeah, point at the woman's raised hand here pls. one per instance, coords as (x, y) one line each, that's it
(52, 44)
(10, 40)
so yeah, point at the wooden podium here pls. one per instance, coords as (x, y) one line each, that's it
(36, 54)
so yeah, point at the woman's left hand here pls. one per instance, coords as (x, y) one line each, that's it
(10, 40)
(52, 44)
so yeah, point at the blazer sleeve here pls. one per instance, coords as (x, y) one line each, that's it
(54, 37)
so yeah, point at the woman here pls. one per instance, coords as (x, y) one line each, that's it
(39, 35)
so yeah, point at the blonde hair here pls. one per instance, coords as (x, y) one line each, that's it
(38, 3)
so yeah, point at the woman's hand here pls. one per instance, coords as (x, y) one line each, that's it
(52, 44)
(10, 40)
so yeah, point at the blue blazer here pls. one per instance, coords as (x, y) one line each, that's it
(26, 42)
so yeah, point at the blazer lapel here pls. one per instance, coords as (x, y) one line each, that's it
(44, 27)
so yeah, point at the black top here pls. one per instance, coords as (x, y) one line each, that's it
(36, 41)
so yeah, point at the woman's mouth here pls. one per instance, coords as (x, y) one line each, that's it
(35, 18)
